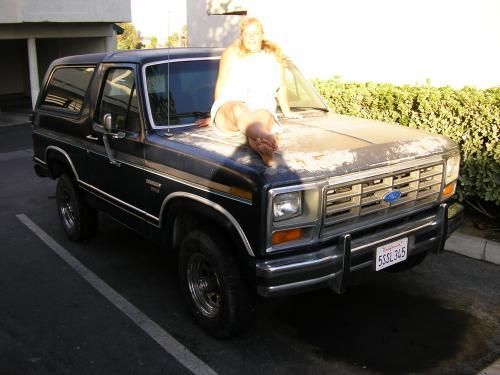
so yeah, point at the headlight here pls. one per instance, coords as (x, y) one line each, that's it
(451, 175)
(452, 169)
(287, 205)
(293, 216)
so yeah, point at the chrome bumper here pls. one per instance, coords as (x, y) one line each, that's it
(331, 265)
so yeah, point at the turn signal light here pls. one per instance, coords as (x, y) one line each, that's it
(286, 235)
(449, 190)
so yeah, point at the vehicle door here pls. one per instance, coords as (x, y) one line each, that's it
(116, 159)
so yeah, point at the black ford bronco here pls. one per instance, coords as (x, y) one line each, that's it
(118, 132)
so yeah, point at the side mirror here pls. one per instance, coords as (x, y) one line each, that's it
(108, 123)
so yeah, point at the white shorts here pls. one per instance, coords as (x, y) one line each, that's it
(252, 105)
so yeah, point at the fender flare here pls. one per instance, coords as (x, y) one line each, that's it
(65, 157)
(224, 217)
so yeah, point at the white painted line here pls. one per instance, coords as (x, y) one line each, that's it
(162, 337)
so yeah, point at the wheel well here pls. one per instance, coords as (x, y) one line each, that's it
(183, 215)
(58, 165)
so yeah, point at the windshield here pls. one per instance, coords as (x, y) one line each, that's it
(189, 93)
(301, 93)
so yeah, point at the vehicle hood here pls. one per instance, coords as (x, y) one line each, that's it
(326, 145)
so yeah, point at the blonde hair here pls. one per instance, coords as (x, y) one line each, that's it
(267, 45)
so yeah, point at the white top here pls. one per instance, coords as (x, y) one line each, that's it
(254, 80)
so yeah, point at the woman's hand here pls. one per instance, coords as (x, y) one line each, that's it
(202, 122)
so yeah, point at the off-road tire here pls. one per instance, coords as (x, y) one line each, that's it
(78, 218)
(213, 285)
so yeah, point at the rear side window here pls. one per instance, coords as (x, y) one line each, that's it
(67, 88)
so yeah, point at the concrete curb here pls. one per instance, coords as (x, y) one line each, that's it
(12, 118)
(14, 124)
(474, 247)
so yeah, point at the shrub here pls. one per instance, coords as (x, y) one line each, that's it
(469, 116)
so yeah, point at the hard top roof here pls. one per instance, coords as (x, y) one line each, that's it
(140, 56)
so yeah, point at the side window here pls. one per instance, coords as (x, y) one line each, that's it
(119, 98)
(67, 88)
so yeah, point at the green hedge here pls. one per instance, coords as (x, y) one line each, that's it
(469, 116)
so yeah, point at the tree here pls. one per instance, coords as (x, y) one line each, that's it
(131, 37)
(174, 40)
(184, 36)
(178, 39)
(153, 43)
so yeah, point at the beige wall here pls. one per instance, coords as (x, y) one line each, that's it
(55, 30)
(209, 31)
(15, 11)
(449, 42)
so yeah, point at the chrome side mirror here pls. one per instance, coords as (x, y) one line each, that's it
(108, 122)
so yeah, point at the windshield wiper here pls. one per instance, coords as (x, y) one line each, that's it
(197, 114)
(317, 108)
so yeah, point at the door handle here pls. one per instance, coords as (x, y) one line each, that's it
(92, 138)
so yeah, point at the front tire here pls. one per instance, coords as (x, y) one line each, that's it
(78, 218)
(213, 286)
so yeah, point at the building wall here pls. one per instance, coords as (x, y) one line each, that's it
(445, 42)
(55, 30)
(16, 11)
(209, 31)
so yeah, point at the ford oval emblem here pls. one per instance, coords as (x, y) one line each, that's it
(392, 196)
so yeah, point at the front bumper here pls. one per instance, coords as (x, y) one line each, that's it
(331, 265)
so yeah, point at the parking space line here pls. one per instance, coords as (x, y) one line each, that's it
(162, 337)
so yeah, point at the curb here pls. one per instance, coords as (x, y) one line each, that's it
(14, 123)
(14, 118)
(474, 247)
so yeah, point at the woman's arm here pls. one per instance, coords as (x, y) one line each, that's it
(283, 97)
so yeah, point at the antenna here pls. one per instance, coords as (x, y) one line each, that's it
(168, 134)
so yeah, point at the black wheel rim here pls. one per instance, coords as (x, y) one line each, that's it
(203, 285)
(67, 209)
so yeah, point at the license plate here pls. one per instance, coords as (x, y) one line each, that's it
(391, 253)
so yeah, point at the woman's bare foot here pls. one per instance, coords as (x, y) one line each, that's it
(264, 149)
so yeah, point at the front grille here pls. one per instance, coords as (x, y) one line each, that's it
(350, 203)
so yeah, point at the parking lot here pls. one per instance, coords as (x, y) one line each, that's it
(112, 305)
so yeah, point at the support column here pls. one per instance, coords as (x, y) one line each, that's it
(110, 43)
(33, 65)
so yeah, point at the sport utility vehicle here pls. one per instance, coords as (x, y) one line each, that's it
(117, 131)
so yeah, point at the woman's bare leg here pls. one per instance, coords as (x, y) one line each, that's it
(256, 125)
